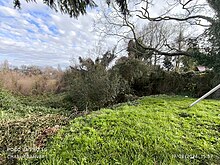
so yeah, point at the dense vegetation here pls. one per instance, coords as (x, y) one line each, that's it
(22, 126)
(153, 129)
(92, 85)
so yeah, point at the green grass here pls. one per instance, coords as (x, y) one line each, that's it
(153, 130)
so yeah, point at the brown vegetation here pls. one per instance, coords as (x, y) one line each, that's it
(31, 80)
(45, 134)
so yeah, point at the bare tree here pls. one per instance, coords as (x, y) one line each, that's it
(128, 26)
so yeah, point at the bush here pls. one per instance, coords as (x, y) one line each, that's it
(92, 87)
(23, 138)
(162, 82)
(144, 79)
(137, 73)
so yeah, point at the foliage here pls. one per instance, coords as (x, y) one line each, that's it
(161, 82)
(136, 72)
(12, 108)
(71, 7)
(47, 100)
(216, 6)
(91, 86)
(7, 100)
(144, 79)
(188, 64)
(131, 69)
(205, 49)
(19, 138)
(153, 130)
(167, 63)
(214, 37)
(136, 51)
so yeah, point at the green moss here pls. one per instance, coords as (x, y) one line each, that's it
(158, 130)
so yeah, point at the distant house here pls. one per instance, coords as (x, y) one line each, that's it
(201, 68)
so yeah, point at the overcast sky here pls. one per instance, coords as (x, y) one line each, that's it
(37, 35)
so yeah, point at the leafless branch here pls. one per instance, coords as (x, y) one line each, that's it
(166, 53)
(185, 4)
(167, 18)
(159, 42)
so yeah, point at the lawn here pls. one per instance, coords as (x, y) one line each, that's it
(152, 130)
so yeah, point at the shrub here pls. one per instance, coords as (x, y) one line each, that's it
(93, 86)
(143, 79)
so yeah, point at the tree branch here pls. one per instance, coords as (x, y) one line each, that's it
(177, 53)
(166, 18)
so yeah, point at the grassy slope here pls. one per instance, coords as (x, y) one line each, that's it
(156, 130)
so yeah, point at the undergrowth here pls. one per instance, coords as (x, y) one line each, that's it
(24, 129)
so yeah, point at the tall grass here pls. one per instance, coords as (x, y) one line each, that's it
(30, 84)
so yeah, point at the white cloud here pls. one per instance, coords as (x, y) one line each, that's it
(8, 11)
(38, 35)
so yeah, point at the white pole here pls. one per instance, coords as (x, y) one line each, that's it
(205, 95)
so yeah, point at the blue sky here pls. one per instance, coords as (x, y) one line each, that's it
(37, 35)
